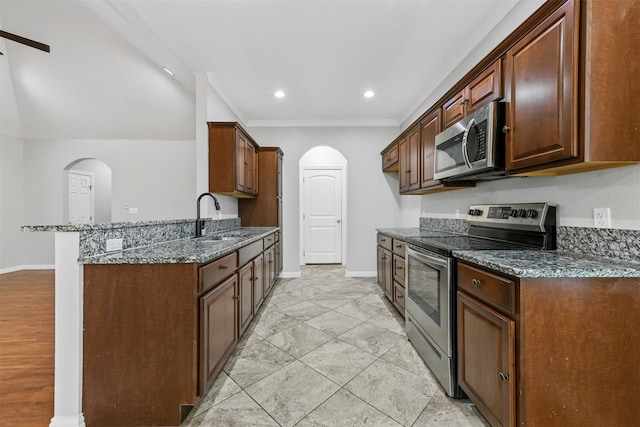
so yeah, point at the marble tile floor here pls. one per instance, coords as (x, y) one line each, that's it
(327, 350)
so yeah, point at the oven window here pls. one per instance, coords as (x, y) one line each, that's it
(424, 288)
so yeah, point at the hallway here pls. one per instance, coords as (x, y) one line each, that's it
(326, 350)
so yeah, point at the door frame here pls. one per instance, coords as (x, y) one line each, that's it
(343, 213)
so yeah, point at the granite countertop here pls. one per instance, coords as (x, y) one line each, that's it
(99, 225)
(551, 264)
(536, 263)
(184, 251)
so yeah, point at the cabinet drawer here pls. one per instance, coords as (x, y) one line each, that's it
(495, 290)
(385, 241)
(269, 240)
(398, 247)
(213, 273)
(249, 252)
(398, 269)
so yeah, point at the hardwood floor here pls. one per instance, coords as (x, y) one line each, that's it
(26, 348)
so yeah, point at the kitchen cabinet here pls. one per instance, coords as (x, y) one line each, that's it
(218, 330)
(571, 91)
(390, 158)
(233, 161)
(409, 161)
(398, 274)
(486, 87)
(548, 351)
(258, 282)
(385, 271)
(266, 209)
(245, 297)
(270, 262)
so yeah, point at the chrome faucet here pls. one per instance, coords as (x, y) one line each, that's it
(200, 222)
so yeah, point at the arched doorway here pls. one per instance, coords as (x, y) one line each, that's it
(86, 192)
(323, 196)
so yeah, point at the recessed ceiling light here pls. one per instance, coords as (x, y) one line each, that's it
(279, 94)
(169, 71)
(369, 94)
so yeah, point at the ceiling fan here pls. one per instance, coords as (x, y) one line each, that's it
(25, 41)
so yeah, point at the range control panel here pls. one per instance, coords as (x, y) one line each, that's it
(525, 216)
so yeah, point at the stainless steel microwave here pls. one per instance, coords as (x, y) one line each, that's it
(473, 148)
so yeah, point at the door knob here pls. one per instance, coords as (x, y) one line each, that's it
(338, 221)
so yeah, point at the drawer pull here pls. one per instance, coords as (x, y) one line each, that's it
(399, 297)
(400, 267)
(503, 377)
(224, 267)
(475, 282)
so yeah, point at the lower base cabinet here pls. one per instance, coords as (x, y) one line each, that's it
(157, 335)
(552, 352)
(218, 330)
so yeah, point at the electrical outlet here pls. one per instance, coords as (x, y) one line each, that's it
(602, 217)
(114, 245)
(457, 213)
(133, 210)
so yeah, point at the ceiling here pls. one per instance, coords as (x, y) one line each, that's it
(323, 54)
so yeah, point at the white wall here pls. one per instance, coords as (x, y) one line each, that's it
(11, 201)
(373, 199)
(155, 176)
(575, 195)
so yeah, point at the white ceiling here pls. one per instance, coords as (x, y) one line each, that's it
(323, 54)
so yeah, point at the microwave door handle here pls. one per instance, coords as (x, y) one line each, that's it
(465, 154)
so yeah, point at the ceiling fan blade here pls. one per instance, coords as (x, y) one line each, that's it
(25, 41)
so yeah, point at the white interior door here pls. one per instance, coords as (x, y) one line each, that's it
(322, 216)
(80, 197)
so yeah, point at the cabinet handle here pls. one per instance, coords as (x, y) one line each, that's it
(464, 101)
(224, 267)
(399, 296)
(505, 129)
(503, 377)
(475, 282)
(399, 267)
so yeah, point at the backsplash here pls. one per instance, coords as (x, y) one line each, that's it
(606, 242)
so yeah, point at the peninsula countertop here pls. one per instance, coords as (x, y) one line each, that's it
(186, 250)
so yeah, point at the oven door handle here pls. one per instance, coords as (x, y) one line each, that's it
(428, 258)
(465, 137)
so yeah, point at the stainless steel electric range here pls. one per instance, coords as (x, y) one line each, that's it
(430, 278)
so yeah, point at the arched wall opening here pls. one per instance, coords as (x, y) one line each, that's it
(101, 182)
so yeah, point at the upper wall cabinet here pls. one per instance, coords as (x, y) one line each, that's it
(486, 87)
(572, 91)
(409, 160)
(233, 160)
(390, 158)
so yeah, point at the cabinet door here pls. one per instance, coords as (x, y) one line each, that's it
(414, 159)
(541, 93)
(429, 128)
(380, 261)
(258, 282)
(485, 88)
(398, 269)
(245, 285)
(403, 164)
(453, 109)
(241, 161)
(388, 274)
(249, 158)
(218, 329)
(398, 297)
(486, 360)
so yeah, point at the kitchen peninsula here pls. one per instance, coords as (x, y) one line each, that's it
(141, 333)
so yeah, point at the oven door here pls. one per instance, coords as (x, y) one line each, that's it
(429, 295)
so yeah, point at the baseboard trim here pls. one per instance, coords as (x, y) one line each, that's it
(67, 421)
(289, 275)
(28, 267)
(360, 274)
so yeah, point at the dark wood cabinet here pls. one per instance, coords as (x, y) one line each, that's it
(266, 209)
(429, 128)
(258, 282)
(554, 352)
(245, 297)
(486, 360)
(571, 91)
(218, 330)
(391, 269)
(233, 162)
(390, 158)
(541, 93)
(409, 161)
(486, 87)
